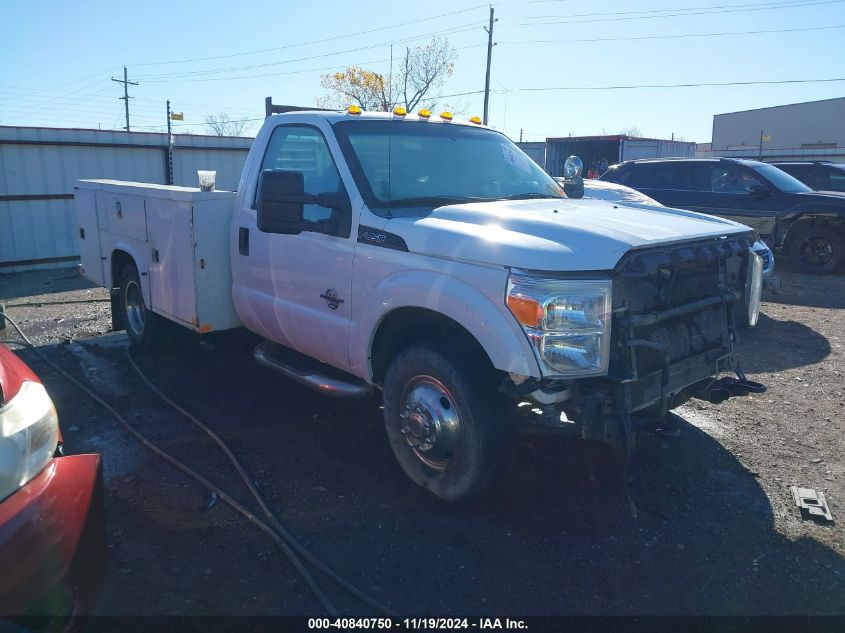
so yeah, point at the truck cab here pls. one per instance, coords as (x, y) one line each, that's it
(433, 261)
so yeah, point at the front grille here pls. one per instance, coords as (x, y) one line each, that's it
(681, 337)
(670, 304)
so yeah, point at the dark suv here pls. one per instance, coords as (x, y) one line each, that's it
(819, 175)
(809, 226)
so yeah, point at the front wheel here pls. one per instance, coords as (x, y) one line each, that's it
(816, 249)
(443, 422)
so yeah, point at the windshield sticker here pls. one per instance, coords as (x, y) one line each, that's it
(514, 158)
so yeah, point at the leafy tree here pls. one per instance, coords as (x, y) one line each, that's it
(418, 73)
(356, 85)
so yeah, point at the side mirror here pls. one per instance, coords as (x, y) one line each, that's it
(758, 190)
(281, 196)
(573, 183)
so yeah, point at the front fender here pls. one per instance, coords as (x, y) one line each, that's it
(478, 308)
(140, 264)
(814, 211)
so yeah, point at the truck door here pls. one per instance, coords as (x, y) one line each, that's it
(300, 284)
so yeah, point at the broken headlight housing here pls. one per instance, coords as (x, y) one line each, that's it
(567, 322)
(29, 433)
(754, 287)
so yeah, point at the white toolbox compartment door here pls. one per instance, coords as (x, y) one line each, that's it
(124, 215)
(90, 251)
(172, 290)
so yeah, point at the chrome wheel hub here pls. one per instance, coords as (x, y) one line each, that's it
(430, 422)
(134, 301)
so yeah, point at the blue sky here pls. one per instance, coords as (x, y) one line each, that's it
(56, 59)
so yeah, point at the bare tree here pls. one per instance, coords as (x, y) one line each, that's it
(421, 71)
(631, 131)
(225, 125)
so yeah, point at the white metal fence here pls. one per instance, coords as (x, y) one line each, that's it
(38, 225)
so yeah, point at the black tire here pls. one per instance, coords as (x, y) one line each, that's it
(144, 328)
(458, 465)
(816, 249)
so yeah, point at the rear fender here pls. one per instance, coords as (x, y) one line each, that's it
(143, 275)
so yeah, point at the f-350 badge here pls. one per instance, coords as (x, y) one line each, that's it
(332, 300)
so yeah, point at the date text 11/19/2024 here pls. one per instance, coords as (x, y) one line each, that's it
(417, 623)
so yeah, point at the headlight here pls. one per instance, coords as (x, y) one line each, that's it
(567, 321)
(29, 432)
(754, 287)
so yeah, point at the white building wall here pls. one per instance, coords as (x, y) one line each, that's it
(38, 226)
(791, 127)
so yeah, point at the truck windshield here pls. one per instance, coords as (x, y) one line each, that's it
(425, 164)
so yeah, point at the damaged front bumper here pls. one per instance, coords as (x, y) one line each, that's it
(673, 336)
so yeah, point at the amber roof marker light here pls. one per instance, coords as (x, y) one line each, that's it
(425, 113)
(476, 120)
(446, 116)
(400, 111)
(354, 109)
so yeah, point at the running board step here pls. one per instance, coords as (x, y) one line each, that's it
(309, 372)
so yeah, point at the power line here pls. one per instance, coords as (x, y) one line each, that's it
(759, 5)
(320, 41)
(450, 31)
(802, 3)
(689, 85)
(289, 72)
(674, 36)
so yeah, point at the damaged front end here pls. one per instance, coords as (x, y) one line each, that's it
(675, 310)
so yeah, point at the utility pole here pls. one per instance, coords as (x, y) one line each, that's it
(489, 59)
(169, 148)
(390, 79)
(520, 135)
(126, 83)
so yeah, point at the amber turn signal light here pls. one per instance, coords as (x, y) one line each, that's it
(527, 311)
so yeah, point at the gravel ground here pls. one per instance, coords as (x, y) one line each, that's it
(716, 531)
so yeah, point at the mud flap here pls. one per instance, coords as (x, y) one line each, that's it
(117, 323)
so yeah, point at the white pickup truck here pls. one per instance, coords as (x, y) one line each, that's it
(432, 260)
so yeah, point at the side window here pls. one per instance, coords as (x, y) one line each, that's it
(682, 176)
(836, 179)
(301, 148)
(670, 176)
(642, 176)
(730, 178)
(822, 179)
(618, 173)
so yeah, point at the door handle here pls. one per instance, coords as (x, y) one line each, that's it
(243, 240)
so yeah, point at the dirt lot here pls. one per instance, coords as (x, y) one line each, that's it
(716, 532)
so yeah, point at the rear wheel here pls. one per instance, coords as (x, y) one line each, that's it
(144, 328)
(816, 249)
(443, 422)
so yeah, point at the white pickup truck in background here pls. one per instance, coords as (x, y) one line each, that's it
(431, 259)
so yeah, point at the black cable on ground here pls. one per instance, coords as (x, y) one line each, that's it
(294, 544)
(187, 470)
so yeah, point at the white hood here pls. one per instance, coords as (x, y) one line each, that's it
(553, 235)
